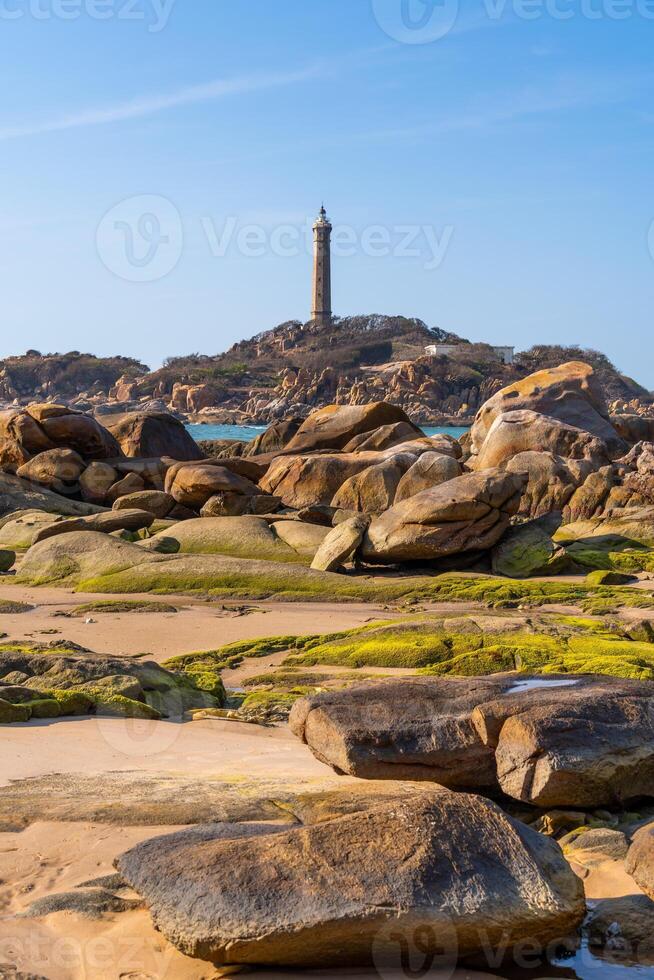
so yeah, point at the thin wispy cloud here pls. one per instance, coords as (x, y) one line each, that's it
(149, 105)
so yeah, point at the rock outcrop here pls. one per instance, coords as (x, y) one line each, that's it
(351, 881)
(335, 426)
(152, 434)
(569, 393)
(639, 862)
(469, 513)
(554, 741)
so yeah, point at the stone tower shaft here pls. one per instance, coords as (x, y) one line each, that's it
(322, 273)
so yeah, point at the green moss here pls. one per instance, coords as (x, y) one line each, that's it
(431, 649)
(124, 606)
(10, 713)
(120, 707)
(9, 607)
(71, 702)
(611, 552)
(607, 577)
(43, 708)
(584, 623)
(268, 706)
(30, 647)
(409, 649)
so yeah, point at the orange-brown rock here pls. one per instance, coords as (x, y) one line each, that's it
(153, 434)
(57, 469)
(192, 486)
(96, 480)
(570, 393)
(155, 502)
(469, 513)
(334, 426)
(526, 431)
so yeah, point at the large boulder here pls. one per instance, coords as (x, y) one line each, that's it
(110, 684)
(334, 426)
(570, 393)
(340, 544)
(634, 525)
(152, 434)
(639, 862)
(551, 480)
(429, 470)
(622, 931)
(106, 523)
(383, 437)
(17, 425)
(276, 436)
(526, 550)
(41, 427)
(247, 537)
(552, 741)
(96, 480)
(305, 539)
(155, 502)
(80, 432)
(56, 469)
(526, 431)
(193, 485)
(18, 530)
(346, 889)
(589, 743)
(469, 513)
(301, 481)
(12, 455)
(402, 729)
(633, 428)
(373, 490)
(17, 494)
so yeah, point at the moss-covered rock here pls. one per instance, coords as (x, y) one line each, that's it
(605, 577)
(524, 551)
(43, 708)
(7, 559)
(76, 681)
(13, 712)
(123, 606)
(438, 647)
(271, 706)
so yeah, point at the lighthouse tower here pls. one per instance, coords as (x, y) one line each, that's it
(322, 273)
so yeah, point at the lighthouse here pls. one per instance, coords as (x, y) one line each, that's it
(321, 310)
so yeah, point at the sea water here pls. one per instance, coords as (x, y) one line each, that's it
(201, 431)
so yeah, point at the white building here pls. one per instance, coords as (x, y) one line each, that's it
(504, 354)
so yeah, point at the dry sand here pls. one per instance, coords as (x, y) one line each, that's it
(199, 625)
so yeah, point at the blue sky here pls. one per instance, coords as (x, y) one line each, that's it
(158, 167)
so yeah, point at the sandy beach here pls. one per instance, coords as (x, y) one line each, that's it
(76, 793)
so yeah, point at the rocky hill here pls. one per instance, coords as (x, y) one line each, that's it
(297, 367)
(37, 376)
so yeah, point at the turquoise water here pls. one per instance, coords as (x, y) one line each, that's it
(247, 432)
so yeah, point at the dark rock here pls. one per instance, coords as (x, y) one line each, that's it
(335, 892)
